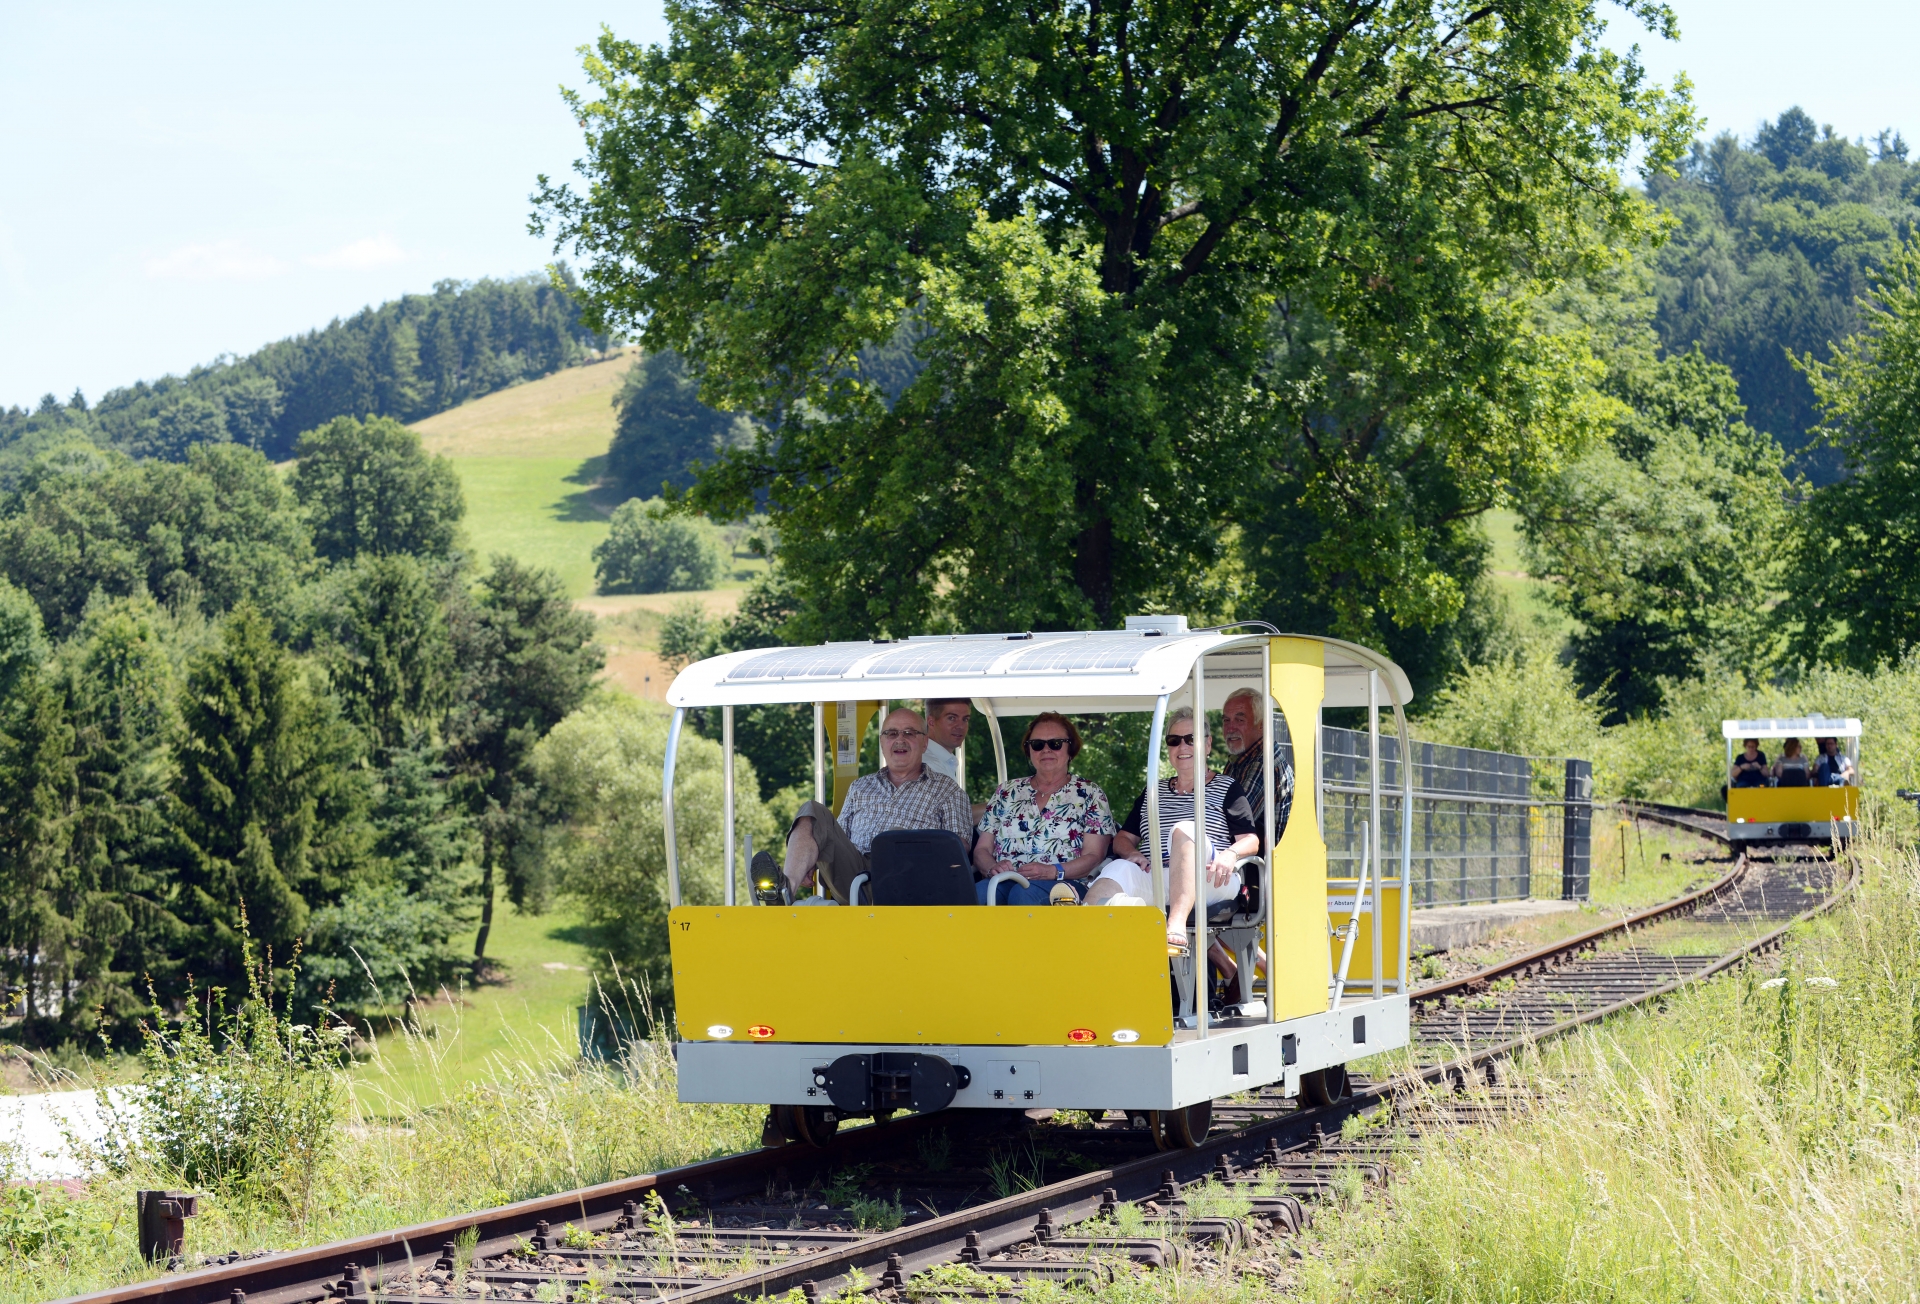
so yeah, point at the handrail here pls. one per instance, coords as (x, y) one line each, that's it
(993, 884)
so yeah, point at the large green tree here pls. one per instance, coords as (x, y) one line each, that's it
(1856, 569)
(268, 799)
(1663, 541)
(370, 487)
(527, 660)
(1099, 222)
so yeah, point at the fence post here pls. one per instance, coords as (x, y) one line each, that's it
(1576, 846)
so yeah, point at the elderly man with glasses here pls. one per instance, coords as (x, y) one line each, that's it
(905, 794)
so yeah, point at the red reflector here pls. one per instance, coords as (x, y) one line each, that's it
(1082, 1035)
(759, 1032)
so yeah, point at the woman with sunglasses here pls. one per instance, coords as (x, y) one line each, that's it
(1052, 828)
(1228, 829)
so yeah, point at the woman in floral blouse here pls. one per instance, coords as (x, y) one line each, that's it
(1052, 828)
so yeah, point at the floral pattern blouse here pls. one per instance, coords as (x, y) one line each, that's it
(1025, 832)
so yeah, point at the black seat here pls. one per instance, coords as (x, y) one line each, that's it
(1793, 778)
(919, 867)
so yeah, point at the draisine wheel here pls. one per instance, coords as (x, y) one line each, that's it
(1326, 1086)
(1187, 1128)
(812, 1125)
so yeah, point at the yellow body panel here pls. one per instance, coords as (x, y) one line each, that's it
(1340, 910)
(1807, 805)
(1297, 967)
(966, 975)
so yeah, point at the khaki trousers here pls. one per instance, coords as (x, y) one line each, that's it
(840, 862)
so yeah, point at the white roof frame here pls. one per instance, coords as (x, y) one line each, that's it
(1801, 726)
(1078, 672)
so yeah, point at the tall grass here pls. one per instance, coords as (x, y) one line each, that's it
(1760, 1139)
(530, 1124)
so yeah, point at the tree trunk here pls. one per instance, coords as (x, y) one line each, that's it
(486, 911)
(1093, 559)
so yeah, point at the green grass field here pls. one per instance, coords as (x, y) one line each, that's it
(1527, 596)
(528, 1017)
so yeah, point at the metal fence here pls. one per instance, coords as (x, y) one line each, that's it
(1487, 826)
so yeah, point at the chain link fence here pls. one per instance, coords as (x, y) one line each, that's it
(1487, 826)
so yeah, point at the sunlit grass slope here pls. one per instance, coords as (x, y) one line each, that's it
(1527, 596)
(529, 458)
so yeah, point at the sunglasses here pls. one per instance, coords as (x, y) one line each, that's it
(1180, 740)
(1045, 744)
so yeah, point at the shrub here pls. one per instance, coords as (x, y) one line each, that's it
(601, 768)
(650, 551)
(244, 1102)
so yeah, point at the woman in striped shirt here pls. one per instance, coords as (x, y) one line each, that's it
(1228, 834)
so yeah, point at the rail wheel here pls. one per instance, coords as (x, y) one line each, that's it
(1183, 1129)
(813, 1125)
(1326, 1086)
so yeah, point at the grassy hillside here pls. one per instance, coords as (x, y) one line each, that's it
(529, 458)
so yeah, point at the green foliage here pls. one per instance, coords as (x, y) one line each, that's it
(381, 631)
(665, 433)
(1778, 1111)
(1856, 565)
(1243, 256)
(601, 769)
(650, 549)
(270, 808)
(207, 535)
(406, 359)
(1527, 702)
(1774, 243)
(1662, 541)
(527, 660)
(246, 1101)
(369, 487)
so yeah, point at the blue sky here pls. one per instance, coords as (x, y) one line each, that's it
(190, 180)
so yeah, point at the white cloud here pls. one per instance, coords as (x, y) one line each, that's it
(223, 260)
(361, 255)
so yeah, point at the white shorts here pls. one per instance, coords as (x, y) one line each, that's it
(1134, 881)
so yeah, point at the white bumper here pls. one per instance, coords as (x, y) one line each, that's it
(1228, 1060)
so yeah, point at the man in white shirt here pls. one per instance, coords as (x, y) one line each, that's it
(948, 719)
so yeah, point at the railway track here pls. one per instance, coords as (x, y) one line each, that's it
(967, 1205)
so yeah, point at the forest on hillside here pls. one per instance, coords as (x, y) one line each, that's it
(406, 359)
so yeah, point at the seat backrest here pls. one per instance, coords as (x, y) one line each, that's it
(920, 867)
(1793, 777)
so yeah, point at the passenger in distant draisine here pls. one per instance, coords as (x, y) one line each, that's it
(1750, 766)
(1226, 834)
(1246, 743)
(1791, 770)
(1053, 829)
(1831, 769)
(906, 794)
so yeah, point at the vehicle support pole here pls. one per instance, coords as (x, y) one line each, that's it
(820, 752)
(999, 744)
(1373, 821)
(726, 798)
(667, 768)
(1201, 847)
(1266, 734)
(1158, 862)
(1406, 836)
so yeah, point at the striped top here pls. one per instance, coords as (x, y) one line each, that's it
(1229, 814)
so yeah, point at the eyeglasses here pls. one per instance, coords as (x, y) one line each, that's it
(1045, 744)
(1179, 740)
(891, 734)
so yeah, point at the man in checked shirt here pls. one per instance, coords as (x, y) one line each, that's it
(903, 795)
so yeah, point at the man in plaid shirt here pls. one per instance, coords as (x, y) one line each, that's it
(904, 795)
